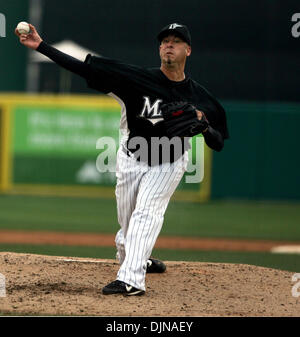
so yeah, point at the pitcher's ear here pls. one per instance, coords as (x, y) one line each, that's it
(188, 50)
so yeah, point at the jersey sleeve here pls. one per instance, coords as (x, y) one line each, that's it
(108, 75)
(64, 60)
(221, 120)
(215, 114)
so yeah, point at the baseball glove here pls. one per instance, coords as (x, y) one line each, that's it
(181, 120)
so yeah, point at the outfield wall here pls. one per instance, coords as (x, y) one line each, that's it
(48, 145)
(261, 160)
(13, 56)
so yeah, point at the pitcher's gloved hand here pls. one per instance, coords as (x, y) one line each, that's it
(181, 119)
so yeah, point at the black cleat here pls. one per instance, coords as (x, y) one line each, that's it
(119, 287)
(155, 266)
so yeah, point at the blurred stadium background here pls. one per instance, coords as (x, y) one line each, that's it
(244, 53)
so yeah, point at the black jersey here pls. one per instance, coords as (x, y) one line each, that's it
(142, 91)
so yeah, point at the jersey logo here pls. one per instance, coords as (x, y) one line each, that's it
(151, 112)
(174, 26)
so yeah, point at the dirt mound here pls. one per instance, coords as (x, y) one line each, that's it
(47, 285)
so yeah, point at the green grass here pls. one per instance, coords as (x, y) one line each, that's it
(59, 250)
(228, 219)
(289, 262)
(58, 214)
(235, 219)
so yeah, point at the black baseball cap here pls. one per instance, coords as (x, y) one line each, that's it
(176, 29)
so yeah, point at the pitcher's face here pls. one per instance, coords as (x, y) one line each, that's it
(173, 50)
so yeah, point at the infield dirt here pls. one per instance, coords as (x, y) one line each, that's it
(108, 240)
(47, 285)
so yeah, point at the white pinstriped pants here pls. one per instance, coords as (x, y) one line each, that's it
(142, 194)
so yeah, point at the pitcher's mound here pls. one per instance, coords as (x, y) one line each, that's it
(47, 285)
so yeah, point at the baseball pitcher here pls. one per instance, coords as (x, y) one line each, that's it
(157, 103)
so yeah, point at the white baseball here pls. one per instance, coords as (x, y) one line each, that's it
(23, 27)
